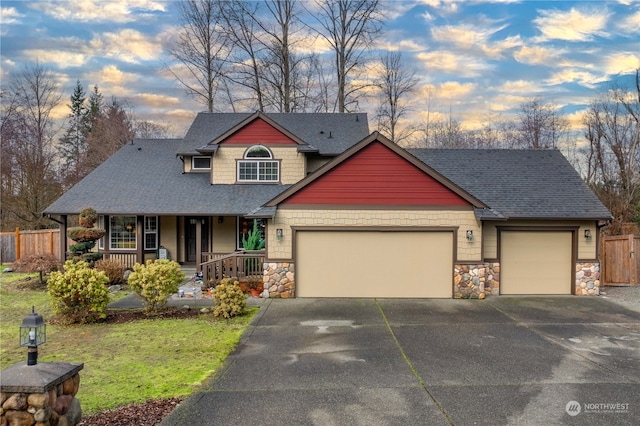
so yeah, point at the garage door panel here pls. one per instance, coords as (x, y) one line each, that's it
(373, 264)
(536, 262)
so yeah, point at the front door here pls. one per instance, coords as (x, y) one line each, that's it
(191, 224)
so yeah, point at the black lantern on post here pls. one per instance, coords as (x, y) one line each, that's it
(33, 333)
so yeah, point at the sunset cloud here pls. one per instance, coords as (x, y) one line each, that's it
(128, 45)
(572, 25)
(118, 11)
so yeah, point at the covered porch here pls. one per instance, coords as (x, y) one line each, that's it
(212, 244)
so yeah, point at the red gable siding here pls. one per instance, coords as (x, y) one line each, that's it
(258, 132)
(376, 176)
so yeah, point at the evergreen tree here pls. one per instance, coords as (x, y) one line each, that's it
(96, 106)
(73, 145)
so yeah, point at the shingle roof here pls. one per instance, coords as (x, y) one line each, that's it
(146, 177)
(524, 184)
(328, 133)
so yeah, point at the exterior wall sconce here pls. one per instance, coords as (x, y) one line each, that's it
(220, 219)
(469, 235)
(33, 333)
(587, 234)
(279, 234)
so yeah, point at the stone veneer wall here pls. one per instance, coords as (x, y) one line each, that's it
(279, 279)
(56, 407)
(476, 281)
(587, 278)
(472, 281)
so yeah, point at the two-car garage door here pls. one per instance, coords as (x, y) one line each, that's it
(373, 263)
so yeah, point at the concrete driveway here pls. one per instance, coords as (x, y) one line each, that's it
(502, 361)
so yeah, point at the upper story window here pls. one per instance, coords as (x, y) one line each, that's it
(200, 163)
(258, 166)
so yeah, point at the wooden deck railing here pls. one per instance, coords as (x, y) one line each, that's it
(127, 259)
(245, 265)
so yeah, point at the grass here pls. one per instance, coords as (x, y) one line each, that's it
(123, 363)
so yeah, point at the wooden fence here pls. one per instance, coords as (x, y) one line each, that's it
(620, 260)
(14, 245)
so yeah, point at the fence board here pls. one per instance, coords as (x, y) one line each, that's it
(43, 241)
(621, 260)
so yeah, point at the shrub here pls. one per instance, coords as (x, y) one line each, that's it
(41, 263)
(229, 299)
(81, 235)
(155, 281)
(87, 217)
(113, 269)
(79, 294)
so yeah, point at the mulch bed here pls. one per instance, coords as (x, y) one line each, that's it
(149, 413)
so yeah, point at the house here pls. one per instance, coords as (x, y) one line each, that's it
(346, 213)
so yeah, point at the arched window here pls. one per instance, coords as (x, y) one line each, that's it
(258, 166)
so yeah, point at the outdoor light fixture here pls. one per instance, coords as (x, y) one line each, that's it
(33, 334)
(469, 235)
(220, 219)
(587, 234)
(279, 233)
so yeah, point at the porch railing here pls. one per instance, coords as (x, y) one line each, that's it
(245, 265)
(127, 259)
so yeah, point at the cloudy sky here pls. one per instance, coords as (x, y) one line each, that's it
(476, 60)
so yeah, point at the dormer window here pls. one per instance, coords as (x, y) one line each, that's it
(258, 166)
(200, 163)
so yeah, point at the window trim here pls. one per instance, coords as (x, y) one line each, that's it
(134, 228)
(260, 163)
(193, 165)
(150, 231)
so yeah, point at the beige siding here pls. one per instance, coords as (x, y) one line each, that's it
(286, 218)
(586, 248)
(374, 264)
(292, 164)
(224, 235)
(315, 163)
(169, 235)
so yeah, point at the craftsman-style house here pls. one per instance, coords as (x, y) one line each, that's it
(344, 212)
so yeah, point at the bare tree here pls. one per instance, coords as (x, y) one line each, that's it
(201, 48)
(111, 130)
(29, 176)
(396, 83)
(281, 65)
(540, 125)
(241, 29)
(145, 129)
(349, 26)
(612, 128)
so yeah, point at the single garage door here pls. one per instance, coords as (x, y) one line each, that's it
(536, 262)
(374, 264)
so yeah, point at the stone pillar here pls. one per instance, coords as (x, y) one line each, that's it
(41, 394)
(279, 279)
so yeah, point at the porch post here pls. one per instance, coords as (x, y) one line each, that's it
(62, 242)
(140, 239)
(198, 243)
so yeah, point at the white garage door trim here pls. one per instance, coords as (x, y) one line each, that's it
(374, 263)
(536, 262)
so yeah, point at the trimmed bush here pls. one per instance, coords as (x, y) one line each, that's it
(81, 235)
(41, 263)
(155, 281)
(87, 217)
(79, 294)
(113, 269)
(229, 299)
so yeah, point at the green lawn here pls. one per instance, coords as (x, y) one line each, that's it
(123, 363)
